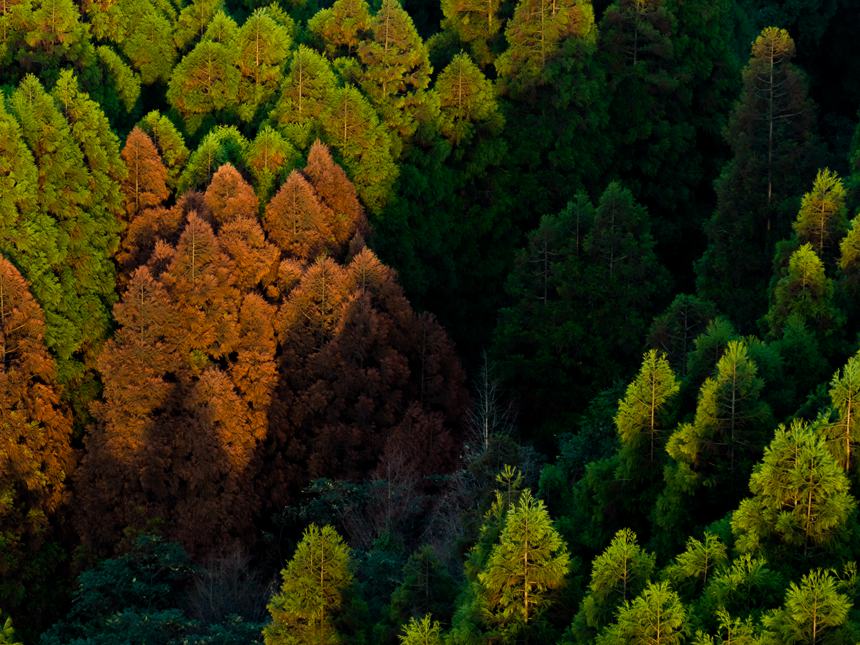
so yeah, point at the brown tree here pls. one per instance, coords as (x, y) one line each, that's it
(146, 184)
(297, 221)
(230, 197)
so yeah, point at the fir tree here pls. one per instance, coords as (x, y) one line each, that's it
(656, 617)
(821, 220)
(421, 632)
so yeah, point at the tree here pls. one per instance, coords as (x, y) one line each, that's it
(813, 609)
(205, 81)
(315, 582)
(477, 25)
(169, 142)
(297, 221)
(396, 68)
(269, 157)
(529, 561)
(426, 587)
(805, 293)
(466, 101)
(638, 418)
(771, 135)
(699, 560)
(675, 331)
(337, 192)
(842, 434)
(656, 617)
(222, 144)
(618, 575)
(262, 45)
(7, 633)
(146, 37)
(800, 495)
(145, 186)
(126, 83)
(421, 632)
(535, 34)
(342, 27)
(36, 457)
(727, 431)
(305, 95)
(230, 197)
(821, 220)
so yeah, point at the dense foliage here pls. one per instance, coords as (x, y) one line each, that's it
(438, 322)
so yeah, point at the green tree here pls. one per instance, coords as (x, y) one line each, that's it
(656, 617)
(169, 141)
(269, 157)
(466, 101)
(639, 413)
(7, 633)
(698, 561)
(771, 135)
(618, 575)
(222, 144)
(126, 83)
(813, 610)
(842, 433)
(342, 27)
(804, 292)
(305, 94)
(527, 564)
(261, 46)
(821, 220)
(314, 583)
(421, 632)
(800, 494)
(477, 25)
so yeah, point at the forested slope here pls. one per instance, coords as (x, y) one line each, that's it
(470, 322)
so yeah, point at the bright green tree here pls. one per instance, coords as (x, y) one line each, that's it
(800, 494)
(698, 561)
(804, 292)
(7, 633)
(618, 575)
(821, 220)
(270, 157)
(842, 433)
(421, 632)
(813, 610)
(638, 420)
(527, 564)
(314, 583)
(656, 617)
(342, 27)
(169, 141)
(222, 144)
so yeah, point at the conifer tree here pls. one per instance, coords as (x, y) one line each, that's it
(821, 220)
(466, 100)
(800, 495)
(337, 192)
(698, 561)
(842, 434)
(813, 610)
(145, 185)
(146, 37)
(639, 413)
(297, 221)
(805, 293)
(396, 68)
(222, 144)
(342, 27)
(305, 95)
(169, 142)
(126, 83)
(535, 34)
(528, 563)
(268, 157)
(193, 21)
(656, 617)
(230, 197)
(676, 330)
(315, 581)
(477, 25)
(262, 45)
(618, 575)
(771, 134)
(421, 632)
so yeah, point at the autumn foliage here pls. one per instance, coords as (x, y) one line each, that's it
(254, 354)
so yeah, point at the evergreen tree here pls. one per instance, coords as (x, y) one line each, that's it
(269, 157)
(421, 632)
(261, 47)
(466, 100)
(342, 27)
(800, 495)
(699, 560)
(169, 142)
(145, 185)
(676, 330)
(639, 413)
(771, 135)
(821, 220)
(618, 575)
(477, 25)
(804, 293)
(315, 581)
(842, 434)
(813, 610)
(656, 617)
(529, 561)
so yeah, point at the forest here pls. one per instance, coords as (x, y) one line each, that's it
(418, 323)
